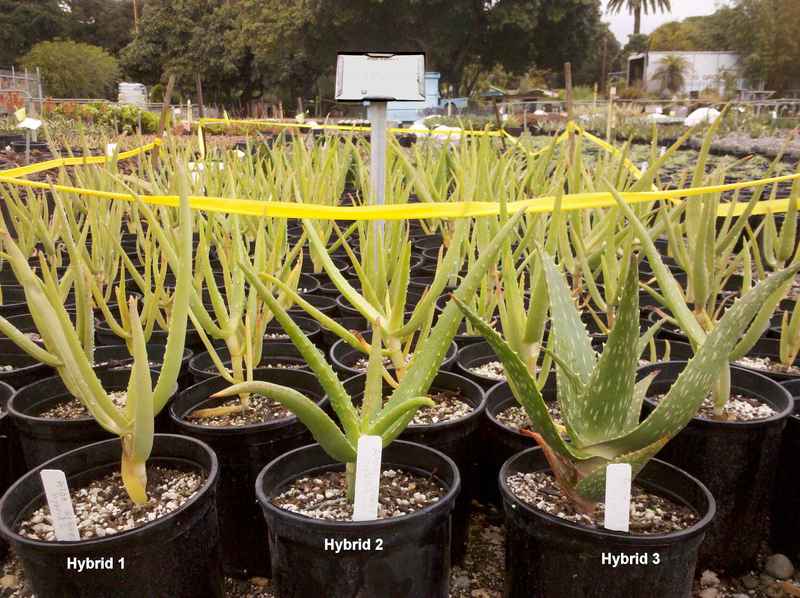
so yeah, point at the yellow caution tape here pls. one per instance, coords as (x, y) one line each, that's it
(76, 161)
(440, 210)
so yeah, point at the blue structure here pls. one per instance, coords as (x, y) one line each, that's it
(411, 111)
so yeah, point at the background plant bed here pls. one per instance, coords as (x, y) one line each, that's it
(176, 555)
(243, 451)
(415, 555)
(547, 556)
(737, 461)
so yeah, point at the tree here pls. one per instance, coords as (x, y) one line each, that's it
(637, 7)
(105, 23)
(74, 70)
(25, 23)
(771, 50)
(671, 73)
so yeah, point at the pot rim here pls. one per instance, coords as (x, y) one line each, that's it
(212, 473)
(245, 428)
(636, 539)
(323, 525)
(734, 425)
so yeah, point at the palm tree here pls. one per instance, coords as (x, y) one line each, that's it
(636, 7)
(671, 73)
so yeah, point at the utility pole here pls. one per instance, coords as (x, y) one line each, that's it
(201, 105)
(604, 70)
(135, 18)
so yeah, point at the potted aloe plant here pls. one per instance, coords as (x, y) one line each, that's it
(151, 485)
(551, 494)
(408, 546)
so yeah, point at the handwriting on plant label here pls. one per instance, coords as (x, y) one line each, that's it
(95, 564)
(360, 545)
(635, 559)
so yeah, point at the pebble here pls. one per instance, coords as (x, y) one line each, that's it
(709, 578)
(779, 566)
(750, 582)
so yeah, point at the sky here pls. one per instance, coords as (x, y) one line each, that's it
(622, 23)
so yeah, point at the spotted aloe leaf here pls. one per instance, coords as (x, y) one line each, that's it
(603, 410)
(571, 345)
(686, 395)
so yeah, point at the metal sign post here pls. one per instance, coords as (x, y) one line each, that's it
(376, 114)
(376, 78)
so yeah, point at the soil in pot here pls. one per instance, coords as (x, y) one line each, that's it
(452, 426)
(393, 557)
(764, 358)
(501, 436)
(50, 421)
(551, 551)
(167, 547)
(785, 509)
(734, 456)
(478, 362)
(273, 355)
(244, 443)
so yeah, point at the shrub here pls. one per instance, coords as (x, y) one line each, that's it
(73, 70)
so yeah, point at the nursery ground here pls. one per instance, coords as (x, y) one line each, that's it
(482, 574)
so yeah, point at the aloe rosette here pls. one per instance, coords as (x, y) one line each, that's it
(598, 395)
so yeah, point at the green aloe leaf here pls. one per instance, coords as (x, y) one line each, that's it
(340, 400)
(430, 355)
(322, 428)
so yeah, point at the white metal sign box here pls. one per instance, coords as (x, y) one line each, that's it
(380, 76)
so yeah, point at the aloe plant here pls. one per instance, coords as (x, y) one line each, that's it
(599, 398)
(67, 350)
(374, 416)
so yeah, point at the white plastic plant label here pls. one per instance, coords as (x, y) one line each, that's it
(368, 477)
(56, 491)
(110, 149)
(618, 497)
(31, 124)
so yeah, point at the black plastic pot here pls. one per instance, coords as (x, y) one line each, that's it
(202, 366)
(43, 438)
(112, 357)
(548, 557)
(176, 555)
(25, 368)
(344, 357)
(105, 336)
(408, 557)
(243, 451)
(14, 302)
(310, 328)
(475, 355)
(327, 305)
(6, 449)
(456, 439)
(785, 509)
(768, 347)
(499, 441)
(736, 460)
